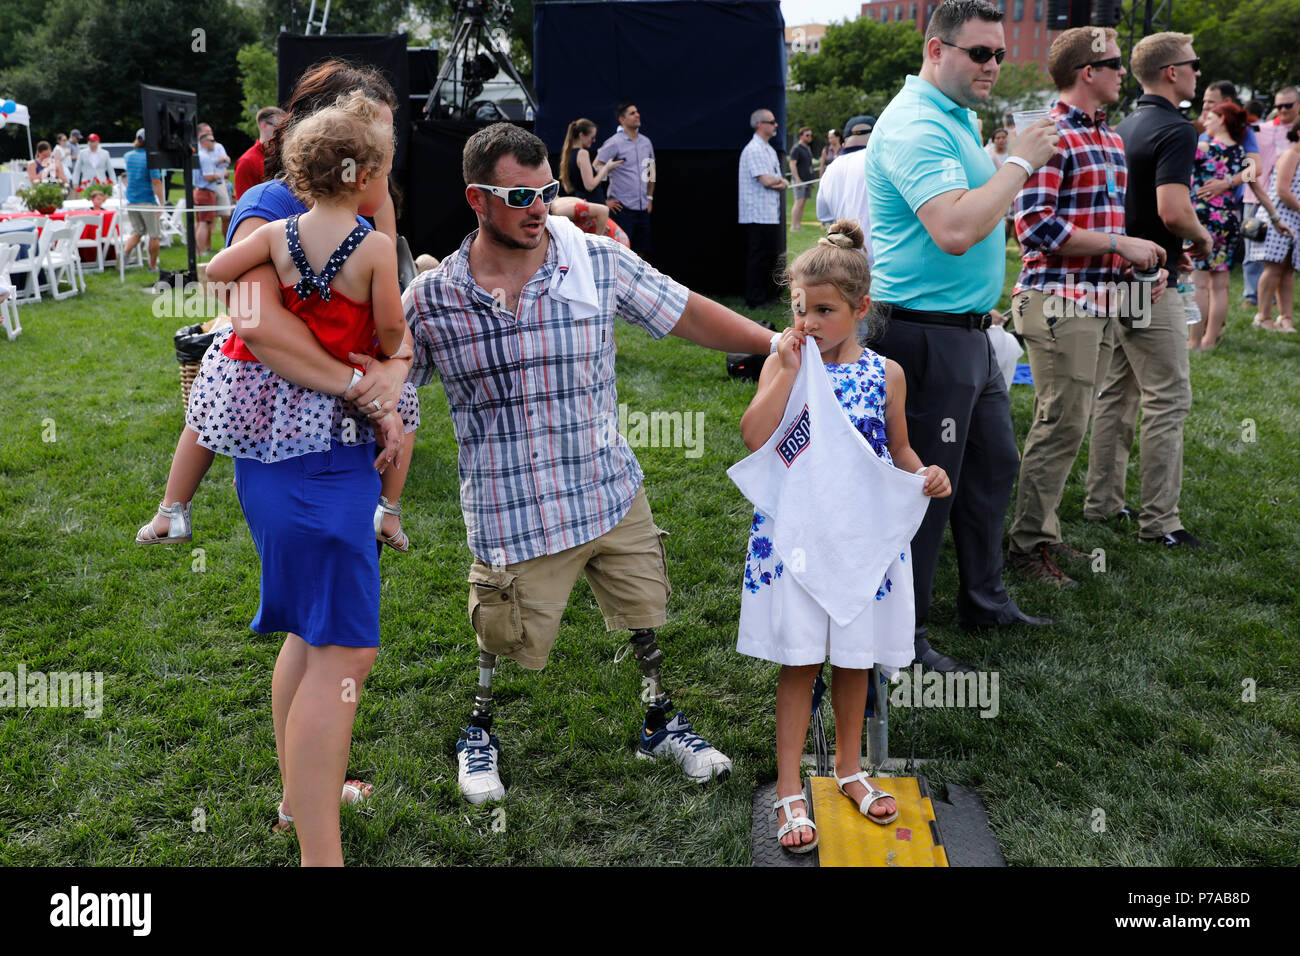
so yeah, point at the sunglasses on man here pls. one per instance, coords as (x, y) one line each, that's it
(521, 197)
(1194, 64)
(1112, 63)
(980, 54)
(1284, 106)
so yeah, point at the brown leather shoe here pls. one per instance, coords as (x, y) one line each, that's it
(1040, 566)
(1063, 550)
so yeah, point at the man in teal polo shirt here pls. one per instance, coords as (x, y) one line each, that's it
(937, 208)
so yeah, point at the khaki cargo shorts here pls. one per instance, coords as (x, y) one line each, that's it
(516, 610)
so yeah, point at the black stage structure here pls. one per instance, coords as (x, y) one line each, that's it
(695, 96)
(695, 70)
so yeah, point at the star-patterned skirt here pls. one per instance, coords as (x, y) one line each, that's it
(244, 410)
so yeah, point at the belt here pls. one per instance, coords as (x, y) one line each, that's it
(960, 320)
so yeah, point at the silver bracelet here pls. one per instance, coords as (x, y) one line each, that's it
(357, 375)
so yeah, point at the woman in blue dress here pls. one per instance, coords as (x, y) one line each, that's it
(311, 514)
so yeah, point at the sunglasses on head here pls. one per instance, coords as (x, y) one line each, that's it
(980, 54)
(521, 197)
(1194, 64)
(1113, 63)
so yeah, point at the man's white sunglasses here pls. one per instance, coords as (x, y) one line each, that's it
(521, 197)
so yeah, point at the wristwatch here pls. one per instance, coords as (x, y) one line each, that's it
(1114, 241)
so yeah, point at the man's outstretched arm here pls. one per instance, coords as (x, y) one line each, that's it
(714, 326)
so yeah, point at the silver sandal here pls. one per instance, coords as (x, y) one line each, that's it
(398, 542)
(178, 527)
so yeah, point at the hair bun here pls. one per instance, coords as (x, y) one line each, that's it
(844, 234)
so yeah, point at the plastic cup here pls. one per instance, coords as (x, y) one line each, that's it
(1027, 118)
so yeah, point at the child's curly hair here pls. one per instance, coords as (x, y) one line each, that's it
(325, 153)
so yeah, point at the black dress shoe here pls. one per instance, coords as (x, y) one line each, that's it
(1124, 514)
(932, 660)
(1182, 538)
(1020, 617)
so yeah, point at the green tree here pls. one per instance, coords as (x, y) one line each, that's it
(258, 80)
(1250, 42)
(346, 16)
(83, 63)
(863, 54)
(825, 109)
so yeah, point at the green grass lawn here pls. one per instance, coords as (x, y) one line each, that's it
(1131, 706)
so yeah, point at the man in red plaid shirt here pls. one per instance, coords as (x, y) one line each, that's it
(1070, 223)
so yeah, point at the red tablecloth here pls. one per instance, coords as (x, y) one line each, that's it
(87, 255)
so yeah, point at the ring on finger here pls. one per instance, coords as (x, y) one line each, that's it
(374, 404)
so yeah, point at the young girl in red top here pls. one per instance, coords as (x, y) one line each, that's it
(342, 169)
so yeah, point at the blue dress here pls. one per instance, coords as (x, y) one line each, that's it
(310, 514)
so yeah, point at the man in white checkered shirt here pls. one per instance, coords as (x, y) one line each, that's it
(761, 189)
(521, 333)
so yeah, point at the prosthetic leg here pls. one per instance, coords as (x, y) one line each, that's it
(650, 657)
(482, 714)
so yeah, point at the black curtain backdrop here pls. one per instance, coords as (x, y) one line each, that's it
(696, 70)
(436, 217)
(386, 53)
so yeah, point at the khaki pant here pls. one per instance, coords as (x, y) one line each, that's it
(1146, 369)
(516, 609)
(1064, 360)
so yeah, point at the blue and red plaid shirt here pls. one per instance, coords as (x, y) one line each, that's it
(1073, 190)
(533, 399)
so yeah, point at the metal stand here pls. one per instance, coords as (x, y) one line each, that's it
(476, 51)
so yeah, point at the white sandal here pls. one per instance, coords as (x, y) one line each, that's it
(352, 793)
(178, 527)
(398, 542)
(794, 822)
(872, 796)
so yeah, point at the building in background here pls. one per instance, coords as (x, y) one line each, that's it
(804, 38)
(1026, 24)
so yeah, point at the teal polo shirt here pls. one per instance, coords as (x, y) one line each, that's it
(924, 144)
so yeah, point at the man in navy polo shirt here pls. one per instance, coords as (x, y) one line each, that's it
(937, 231)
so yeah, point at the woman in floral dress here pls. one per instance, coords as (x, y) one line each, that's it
(1219, 156)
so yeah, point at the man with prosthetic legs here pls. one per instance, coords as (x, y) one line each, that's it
(519, 326)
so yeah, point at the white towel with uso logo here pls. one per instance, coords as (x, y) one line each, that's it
(837, 515)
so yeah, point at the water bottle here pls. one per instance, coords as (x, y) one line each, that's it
(1191, 310)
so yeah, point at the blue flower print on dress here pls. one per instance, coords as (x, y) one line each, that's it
(760, 549)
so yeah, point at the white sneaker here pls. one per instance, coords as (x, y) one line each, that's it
(698, 759)
(477, 754)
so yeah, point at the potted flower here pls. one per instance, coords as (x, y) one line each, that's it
(43, 197)
(97, 193)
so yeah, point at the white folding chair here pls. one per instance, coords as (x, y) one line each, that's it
(29, 267)
(115, 238)
(173, 224)
(62, 261)
(8, 306)
(86, 228)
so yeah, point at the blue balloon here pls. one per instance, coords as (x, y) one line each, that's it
(8, 106)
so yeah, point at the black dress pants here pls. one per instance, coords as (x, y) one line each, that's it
(959, 417)
(762, 283)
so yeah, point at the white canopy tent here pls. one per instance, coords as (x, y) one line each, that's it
(22, 117)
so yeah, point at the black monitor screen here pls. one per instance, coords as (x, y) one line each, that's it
(170, 126)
